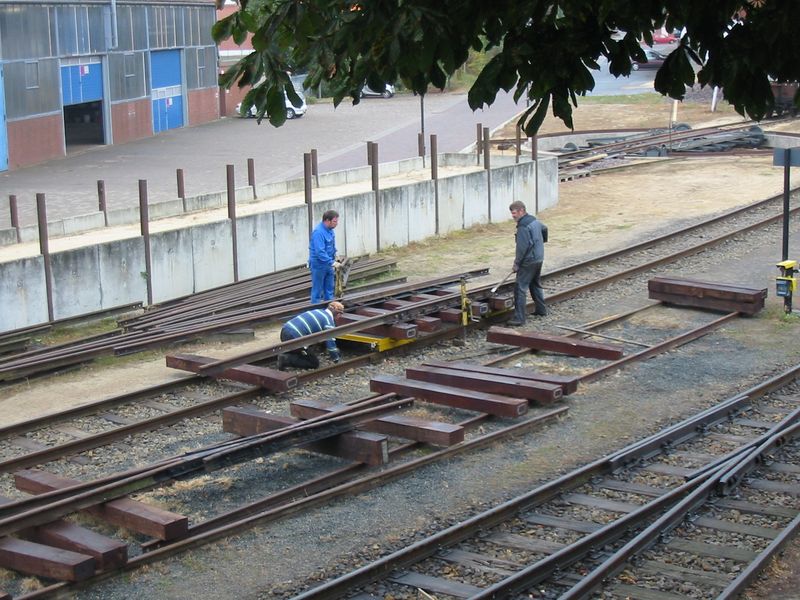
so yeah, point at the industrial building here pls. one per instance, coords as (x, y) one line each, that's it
(77, 74)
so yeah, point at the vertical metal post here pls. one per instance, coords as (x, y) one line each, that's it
(479, 143)
(101, 200)
(181, 185)
(435, 177)
(786, 182)
(535, 159)
(12, 207)
(369, 152)
(421, 137)
(315, 166)
(44, 249)
(376, 189)
(421, 146)
(519, 144)
(231, 186)
(251, 175)
(487, 165)
(144, 223)
(307, 188)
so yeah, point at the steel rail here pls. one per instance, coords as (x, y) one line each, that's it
(459, 532)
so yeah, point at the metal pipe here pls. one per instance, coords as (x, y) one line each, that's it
(231, 184)
(376, 190)
(435, 177)
(144, 224)
(251, 175)
(487, 165)
(307, 189)
(101, 200)
(12, 207)
(44, 248)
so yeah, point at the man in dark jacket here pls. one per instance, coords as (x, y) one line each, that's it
(530, 237)
(311, 321)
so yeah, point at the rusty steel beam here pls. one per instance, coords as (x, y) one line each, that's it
(568, 384)
(45, 561)
(410, 428)
(108, 553)
(492, 404)
(483, 382)
(270, 379)
(553, 343)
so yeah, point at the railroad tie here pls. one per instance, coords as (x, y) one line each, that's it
(553, 343)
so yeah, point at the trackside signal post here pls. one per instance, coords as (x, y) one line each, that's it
(786, 282)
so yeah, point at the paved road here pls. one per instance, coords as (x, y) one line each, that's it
(339, 135)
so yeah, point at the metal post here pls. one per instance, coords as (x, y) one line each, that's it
(369, 152)
(12, 207)
(315, 166)
(519, 144)
(144, 223)
(487, 165)
(479, 143)
(376, 189)
(307, 188)
(101, 200)
(231, 186)
(786, 182)
(535, 159)
(181, 187)
(251, 175)
(435, 177)
(421, 146)
(421, 137)
(44, 249)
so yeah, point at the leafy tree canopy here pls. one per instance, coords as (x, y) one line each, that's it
(546, 50)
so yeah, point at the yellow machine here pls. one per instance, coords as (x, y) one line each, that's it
(786, 283)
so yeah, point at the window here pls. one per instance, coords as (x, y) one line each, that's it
(130, 65)
(31, 75)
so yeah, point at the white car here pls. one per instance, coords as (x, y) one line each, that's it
(292, 111)
(387, 92)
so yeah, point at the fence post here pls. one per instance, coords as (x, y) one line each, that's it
(369, 152)
(535, 159)
(181, 187)
(251, 175)
(44, 249)
(101, 200)
(144, 223)
(231, 185)
(315, 166)
(376, 189)
(435, 177)
(478, 143)
(487, 165)
(12, 207)
(519, 144)
(308, 195)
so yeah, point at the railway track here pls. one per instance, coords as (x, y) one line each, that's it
(274, 504)
(695, 511)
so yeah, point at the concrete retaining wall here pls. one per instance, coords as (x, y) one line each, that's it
(200, 257)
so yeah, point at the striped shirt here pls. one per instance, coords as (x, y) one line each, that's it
(312, 321)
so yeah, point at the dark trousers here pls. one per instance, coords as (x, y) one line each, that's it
(298, 359)
(529, 280)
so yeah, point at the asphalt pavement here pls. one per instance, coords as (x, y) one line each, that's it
(338, 134)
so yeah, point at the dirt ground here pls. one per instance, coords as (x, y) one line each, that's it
(611, 210)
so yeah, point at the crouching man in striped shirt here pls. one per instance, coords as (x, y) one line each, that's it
(312, 321)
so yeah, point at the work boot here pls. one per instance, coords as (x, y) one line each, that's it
(515, 323)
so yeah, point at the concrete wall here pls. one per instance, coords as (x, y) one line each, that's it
(200, 257)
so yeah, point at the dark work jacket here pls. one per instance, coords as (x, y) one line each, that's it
(531, 235)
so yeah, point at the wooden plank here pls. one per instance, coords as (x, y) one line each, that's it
(529, 544)
(123, 512)
(706, 289)
(437, 585)
(568, 384)
(704, 578)
(634, 592)
(358, 446)
(767, 533)
(108, 553)
(398, 331)
(665, 469)
(727, 306)
(561, 523)
(601, 503)
(776, 487)
(482, 562)
(270, 379)
(756, 509)
(493, 384)
(630, 487)
(553, 343)
(449, 396)
(410, 428)
(782, 467)
(712, 550)
(44, 561)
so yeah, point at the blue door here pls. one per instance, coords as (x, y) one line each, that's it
(167, 94)
(3, 131)
(81, 83)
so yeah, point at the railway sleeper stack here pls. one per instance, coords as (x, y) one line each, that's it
(553, 343)
(703, 294)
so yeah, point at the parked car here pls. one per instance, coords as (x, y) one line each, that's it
(654, 60)
(292, 111)
(368, 92)
(661, 37)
